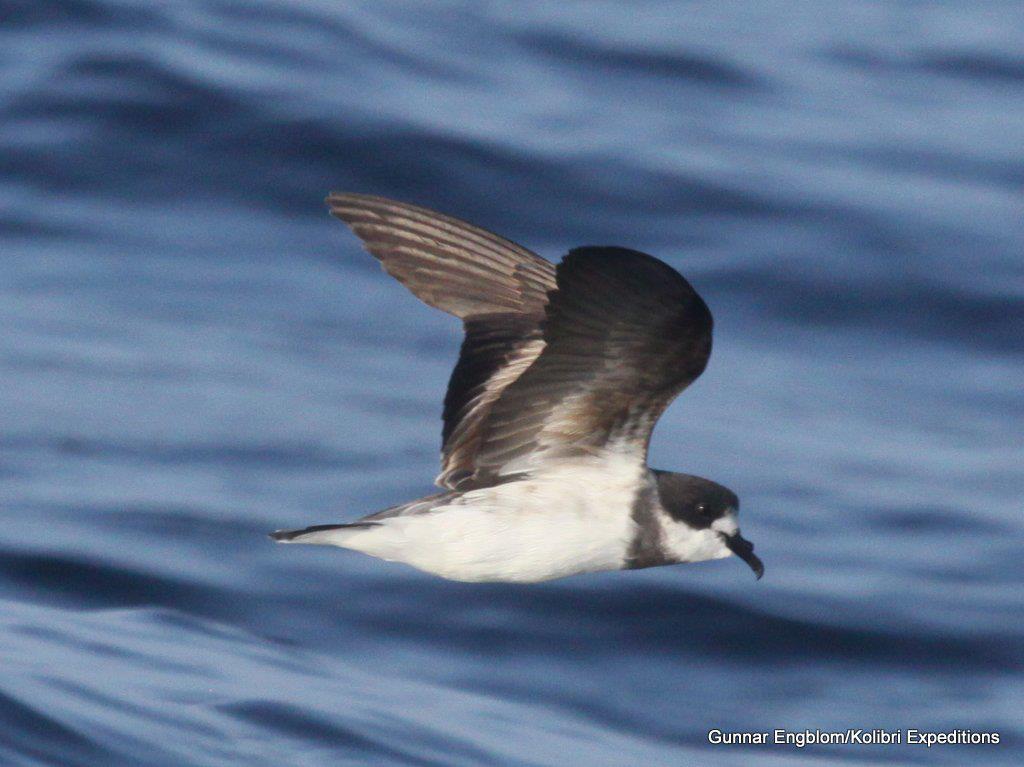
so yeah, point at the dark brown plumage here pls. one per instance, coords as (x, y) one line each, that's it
(554, 362)
(498, 289)
(624, 333)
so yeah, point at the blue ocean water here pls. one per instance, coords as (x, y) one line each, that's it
(193, 353)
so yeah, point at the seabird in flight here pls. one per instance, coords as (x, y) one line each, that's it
(562, 375)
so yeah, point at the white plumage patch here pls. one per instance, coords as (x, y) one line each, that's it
(572, 518)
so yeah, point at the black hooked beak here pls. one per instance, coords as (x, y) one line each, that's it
(744, 549)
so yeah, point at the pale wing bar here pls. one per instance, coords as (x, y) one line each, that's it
(495, 352)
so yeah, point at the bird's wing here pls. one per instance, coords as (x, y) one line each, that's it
(623, 335)
(446, 263)
(495, 352)
(497, 288)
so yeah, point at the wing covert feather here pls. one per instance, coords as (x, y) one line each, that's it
(623, 334)
(498, 288)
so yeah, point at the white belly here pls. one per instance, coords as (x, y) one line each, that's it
(574, 519)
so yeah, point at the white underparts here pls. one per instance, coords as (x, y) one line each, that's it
(572, 518)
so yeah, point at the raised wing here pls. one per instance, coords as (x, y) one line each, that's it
(446, 263)
(495, 352)
(498, 289)
(623, 334)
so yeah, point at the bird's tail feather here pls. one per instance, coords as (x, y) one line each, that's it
(343, 534)
(324, 534)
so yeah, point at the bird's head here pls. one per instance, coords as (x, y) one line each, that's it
(705, 522)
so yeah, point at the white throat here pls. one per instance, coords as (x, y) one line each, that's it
(686, 544)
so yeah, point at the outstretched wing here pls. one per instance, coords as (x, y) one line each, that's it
(623, 334)
(498, 289)
(446, 263)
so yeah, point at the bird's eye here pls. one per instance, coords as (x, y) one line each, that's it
(702, 509)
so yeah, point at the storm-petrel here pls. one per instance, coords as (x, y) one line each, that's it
(562, 375)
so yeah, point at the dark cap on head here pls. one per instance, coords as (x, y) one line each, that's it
(694, 500)
(698, 502)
